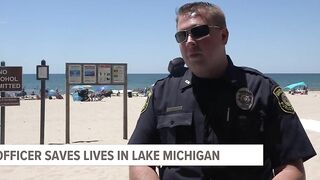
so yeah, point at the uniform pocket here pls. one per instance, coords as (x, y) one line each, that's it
(250, 127)
(175, 128)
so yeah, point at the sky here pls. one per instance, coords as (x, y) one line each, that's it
(274, 36)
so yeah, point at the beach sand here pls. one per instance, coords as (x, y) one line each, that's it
(102, 123)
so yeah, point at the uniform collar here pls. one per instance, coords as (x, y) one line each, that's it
(230, 75)
(231, 72)
(186, 80)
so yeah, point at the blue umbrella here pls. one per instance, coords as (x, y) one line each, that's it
(81, 87)
(52, 92)
(296, 86)
(102, 88)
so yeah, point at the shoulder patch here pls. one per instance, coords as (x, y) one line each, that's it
(283, 101)
(146, 104)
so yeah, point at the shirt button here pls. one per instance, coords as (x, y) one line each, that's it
(171, 122)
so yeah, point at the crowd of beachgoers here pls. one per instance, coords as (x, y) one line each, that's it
(79, 93)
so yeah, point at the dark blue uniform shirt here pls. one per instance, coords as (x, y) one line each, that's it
(242, 107)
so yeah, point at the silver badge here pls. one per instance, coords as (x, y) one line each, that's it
(244, 98)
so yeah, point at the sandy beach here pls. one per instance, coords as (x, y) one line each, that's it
(101, 122)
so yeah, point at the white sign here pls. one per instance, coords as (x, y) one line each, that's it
(75, 74)
(42, 72)
(104, 74)
(89, 74)
(118, 73)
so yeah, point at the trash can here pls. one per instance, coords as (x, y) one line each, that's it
(130, 94)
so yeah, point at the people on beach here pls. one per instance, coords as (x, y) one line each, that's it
(21, 94)
(215, 102)
(58, 95)
(84, 94)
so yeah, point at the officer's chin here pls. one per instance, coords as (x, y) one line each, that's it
(195, 58)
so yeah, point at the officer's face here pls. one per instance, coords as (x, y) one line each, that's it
(205, 55)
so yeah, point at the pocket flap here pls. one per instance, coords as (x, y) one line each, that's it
(172, 120)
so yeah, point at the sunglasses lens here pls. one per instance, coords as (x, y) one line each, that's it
(196, 32)
(181, 36)
(200, 31)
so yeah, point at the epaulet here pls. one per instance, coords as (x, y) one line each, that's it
(163, 79)
(171, 77)
(160, 81)
(176, 69)
(255, 72)
(250, 70)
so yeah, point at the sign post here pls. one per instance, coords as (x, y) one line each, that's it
(3, 114)
(10, 80)
(43, 75)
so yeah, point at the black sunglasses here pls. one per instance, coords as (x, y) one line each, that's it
(196, 32)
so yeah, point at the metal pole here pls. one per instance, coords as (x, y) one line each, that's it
(42, 109)
(3, 114)
(67, 106)
(125, 105)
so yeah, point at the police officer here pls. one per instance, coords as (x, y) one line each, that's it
(215, 102)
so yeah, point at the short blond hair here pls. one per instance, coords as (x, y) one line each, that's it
(211, 11)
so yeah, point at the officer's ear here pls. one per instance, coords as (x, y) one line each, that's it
(225, 35)
(176, 67)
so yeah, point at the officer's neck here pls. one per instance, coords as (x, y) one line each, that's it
(217, 71)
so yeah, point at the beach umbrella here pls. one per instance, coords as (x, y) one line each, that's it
(102, 88)
(81, 87)
(52, 92)
(296, 86)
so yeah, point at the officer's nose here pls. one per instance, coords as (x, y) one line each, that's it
(190, 41)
